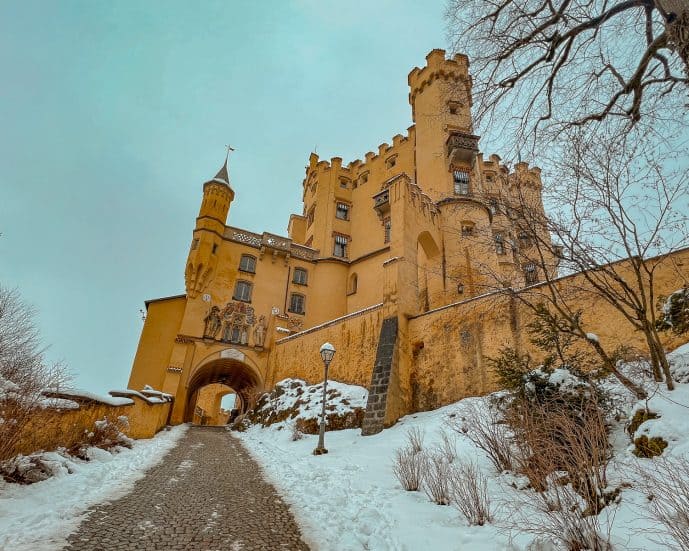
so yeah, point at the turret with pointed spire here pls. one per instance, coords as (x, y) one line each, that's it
(210, 227)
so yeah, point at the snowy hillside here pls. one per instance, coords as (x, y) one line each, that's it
(350, 499)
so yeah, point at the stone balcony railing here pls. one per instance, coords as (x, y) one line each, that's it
(265, 241)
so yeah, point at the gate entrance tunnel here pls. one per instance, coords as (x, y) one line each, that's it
(214, 380)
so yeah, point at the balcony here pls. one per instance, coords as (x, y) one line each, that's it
(381, 203)
(461, 147)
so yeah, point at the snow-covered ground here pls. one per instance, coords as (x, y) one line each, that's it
(40, 516)
(349, 499)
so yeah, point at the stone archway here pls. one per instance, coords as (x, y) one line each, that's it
(243, 379)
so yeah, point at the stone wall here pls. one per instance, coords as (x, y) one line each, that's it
(60, 426)
(355, 338)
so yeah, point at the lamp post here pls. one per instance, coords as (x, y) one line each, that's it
(327, 353)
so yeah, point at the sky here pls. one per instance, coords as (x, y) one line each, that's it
(113, 114)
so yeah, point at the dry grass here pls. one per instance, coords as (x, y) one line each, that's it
(416, 436)
(667, 489)
(409, 468)
(436, 478)
(469, 493)
(488, 432)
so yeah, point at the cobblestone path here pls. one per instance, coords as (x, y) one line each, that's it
(207, 494)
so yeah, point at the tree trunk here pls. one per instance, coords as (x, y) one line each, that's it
(635, 389)
(676, 13)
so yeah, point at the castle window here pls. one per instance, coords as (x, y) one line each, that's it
(461, 181)
(387, 228)
(340, 248)
(453, 107)
(391, 161)
(194, 243)
(363, 179)
(467, 229)
(247, 264)
(500, 244)
(242, 291)
(493, 205)
(524, 240)
(309, 241)
(296, 303)
(300, 276)
(310, 216)
(353, 283)
(530, 273)
(215, 248)
(344, 184)
(342, 211)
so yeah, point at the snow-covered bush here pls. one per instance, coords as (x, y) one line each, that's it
(469, 493)
(36, 467)
(106, 434)
(296, 401)
(674, 312)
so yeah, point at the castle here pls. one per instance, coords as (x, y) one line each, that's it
(388, 261)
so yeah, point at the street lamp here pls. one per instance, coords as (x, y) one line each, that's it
(327, 353)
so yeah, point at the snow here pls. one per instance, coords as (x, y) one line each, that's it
(40, 516)
(349, 498)
(77, 394)
(149, 399)
(307, 400)
(592, 337)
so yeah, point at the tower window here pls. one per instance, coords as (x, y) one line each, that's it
(387, 228)
(461, 181)
(467, 229)
(530, 273)
(300, 276)
(500, 244)
(194, 243)
(247, 264)
(242, 291)
(344, 184)
(391, 161)
(340, 249)
(363, 179)
(296, 303)
(342, 211)
(310, 216)
(524, 240)
(493, 205)
(215, 248)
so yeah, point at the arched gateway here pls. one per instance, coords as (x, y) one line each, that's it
(229, 367)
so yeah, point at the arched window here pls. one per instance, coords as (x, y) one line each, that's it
(297, 303)
(524, 240)
(499, 244)
(247, 264)
(387, 226)
(242, 291)
(353, 282)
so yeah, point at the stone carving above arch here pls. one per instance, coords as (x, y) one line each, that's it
(231, 324)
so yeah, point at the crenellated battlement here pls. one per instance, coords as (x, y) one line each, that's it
(439, 67)
(401, 144)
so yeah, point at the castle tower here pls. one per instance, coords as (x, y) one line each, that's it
(440, 97)
(210, 227)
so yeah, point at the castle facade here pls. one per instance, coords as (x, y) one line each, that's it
(386, 252)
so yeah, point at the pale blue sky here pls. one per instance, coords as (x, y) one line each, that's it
(113, 114)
